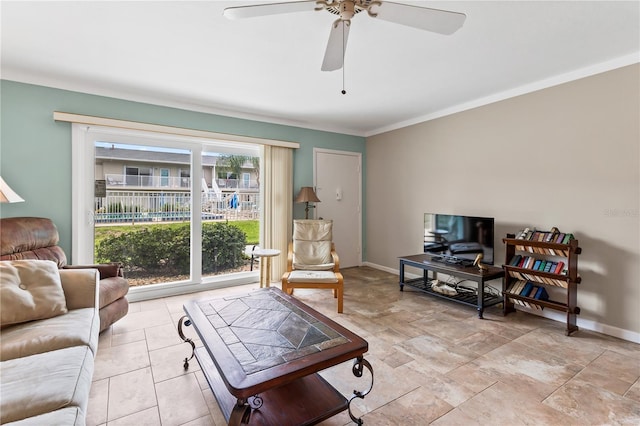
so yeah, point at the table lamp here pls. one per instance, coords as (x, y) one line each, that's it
(307, 195)
(8, 195)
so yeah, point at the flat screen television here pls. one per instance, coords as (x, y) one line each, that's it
(462, 237)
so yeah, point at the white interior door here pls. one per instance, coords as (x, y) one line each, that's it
(338, 181)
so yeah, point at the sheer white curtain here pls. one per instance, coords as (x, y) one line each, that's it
(278, 204)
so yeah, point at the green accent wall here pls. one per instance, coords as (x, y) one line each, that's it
(35, 151)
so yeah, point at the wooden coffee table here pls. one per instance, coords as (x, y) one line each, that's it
(261, 354)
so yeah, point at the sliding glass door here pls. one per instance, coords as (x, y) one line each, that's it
(155, 204)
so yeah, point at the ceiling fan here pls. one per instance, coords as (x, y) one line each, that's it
(424, 18)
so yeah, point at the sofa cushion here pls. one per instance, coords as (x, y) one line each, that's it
(76, 328)
(42, 383)
(81, 288)
(69, 416)
(30, 290)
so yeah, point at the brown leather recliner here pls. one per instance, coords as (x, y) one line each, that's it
(37, 238)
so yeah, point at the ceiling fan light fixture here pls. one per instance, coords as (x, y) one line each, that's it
(347, 10)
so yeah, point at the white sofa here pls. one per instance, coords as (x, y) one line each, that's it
(48, 342)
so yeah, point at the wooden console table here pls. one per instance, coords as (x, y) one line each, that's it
(261, 354)
(471, 273)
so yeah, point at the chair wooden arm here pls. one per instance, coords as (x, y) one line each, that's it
(336, 259)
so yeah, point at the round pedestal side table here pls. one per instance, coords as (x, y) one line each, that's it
(265, 256)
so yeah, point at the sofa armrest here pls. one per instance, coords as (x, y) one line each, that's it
(107, 270)
(80, 287)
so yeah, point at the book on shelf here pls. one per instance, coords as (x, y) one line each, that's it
(517, 288)
(526, 289)
(512, 287)
(529, 290)
(559, 267)
(567, 238)
(532, 295)
(542, 265)
(536, 264)
(549, 265)
(516, 260)
(552, 236)
(542, 294)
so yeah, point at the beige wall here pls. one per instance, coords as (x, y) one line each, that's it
(567, 156)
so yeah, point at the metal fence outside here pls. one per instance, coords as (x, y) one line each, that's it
(170, 206)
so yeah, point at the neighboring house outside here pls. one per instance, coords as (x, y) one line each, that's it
(154, 185)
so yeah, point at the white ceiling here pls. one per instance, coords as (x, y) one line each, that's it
(186, 54)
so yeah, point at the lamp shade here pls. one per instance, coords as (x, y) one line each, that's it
(8, 195)
(307, 195)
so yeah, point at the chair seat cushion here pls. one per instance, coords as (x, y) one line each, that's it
(312, 276)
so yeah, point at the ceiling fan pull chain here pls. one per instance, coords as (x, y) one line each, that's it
(344, 92)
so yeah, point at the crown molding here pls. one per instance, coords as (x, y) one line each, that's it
(578, 74)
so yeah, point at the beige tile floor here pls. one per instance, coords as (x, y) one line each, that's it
(434, 362)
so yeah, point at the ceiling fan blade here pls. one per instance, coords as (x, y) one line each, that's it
(240, 12)
(336, 46)
(423, 18)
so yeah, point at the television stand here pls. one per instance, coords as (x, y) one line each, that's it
(435, 264)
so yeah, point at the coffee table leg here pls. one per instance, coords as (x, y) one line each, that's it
(240, 414)
(187, 322)
(358, 365)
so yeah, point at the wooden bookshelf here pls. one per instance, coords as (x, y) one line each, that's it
(567, 278)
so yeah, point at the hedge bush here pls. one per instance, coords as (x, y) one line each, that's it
(158, 250)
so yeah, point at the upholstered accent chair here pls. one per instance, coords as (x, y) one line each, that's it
(37, 238)
(312, 261)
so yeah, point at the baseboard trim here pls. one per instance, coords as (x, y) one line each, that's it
(585, 324)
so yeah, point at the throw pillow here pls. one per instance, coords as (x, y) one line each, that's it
(30, 290)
